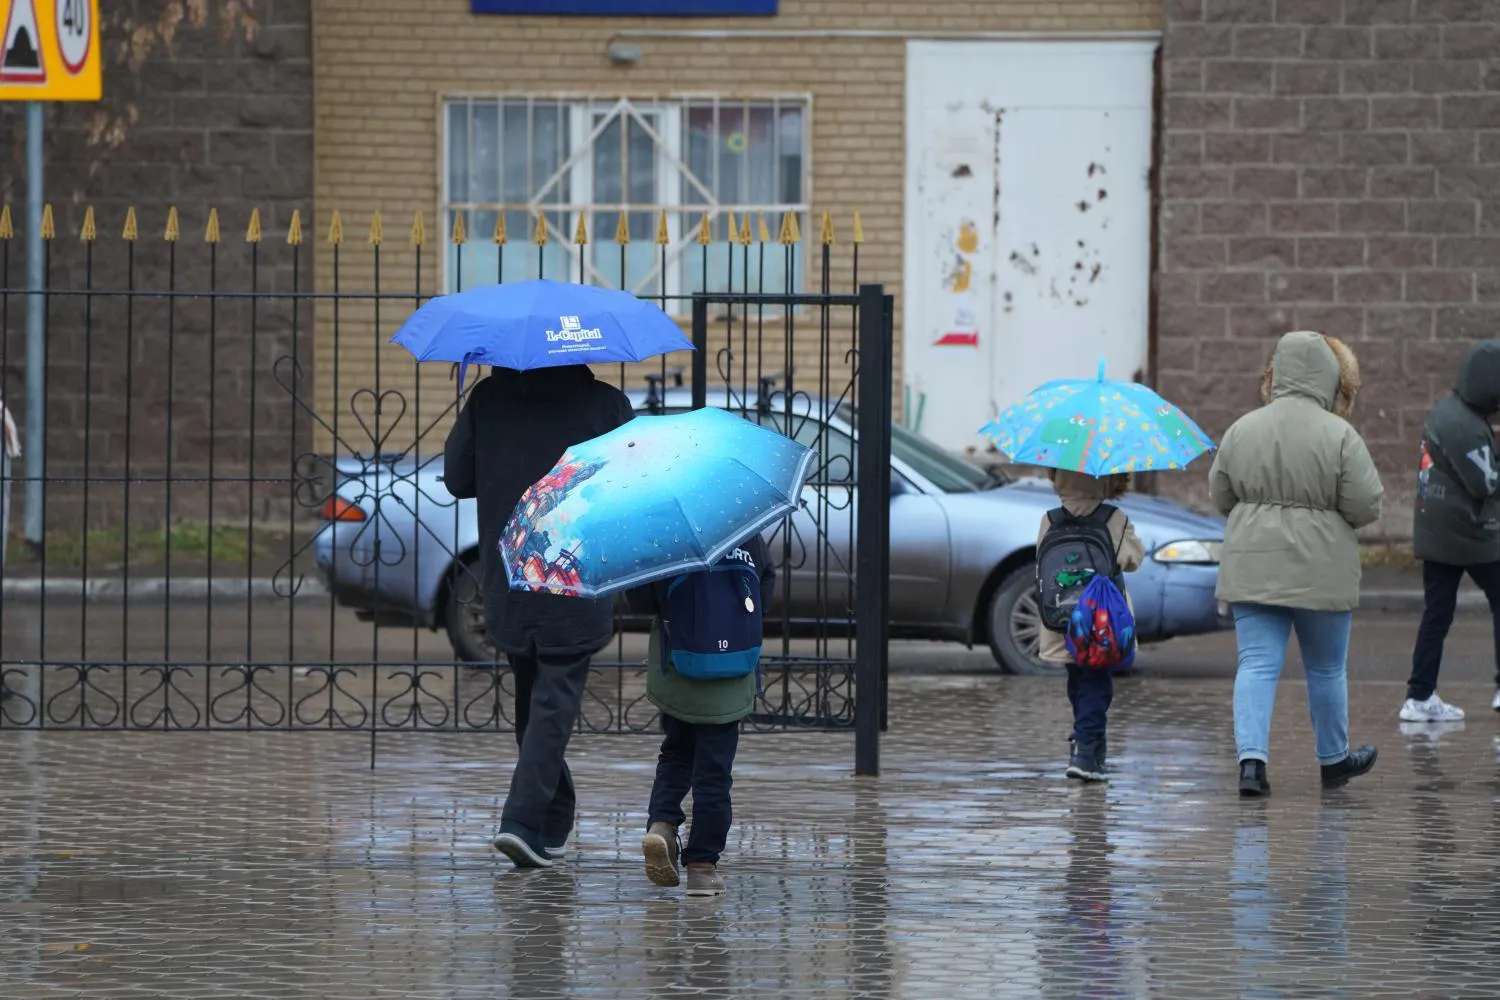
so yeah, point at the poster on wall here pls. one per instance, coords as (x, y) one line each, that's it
(628, 8)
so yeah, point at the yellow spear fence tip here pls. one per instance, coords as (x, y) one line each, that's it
(581, 234)
(174, 226)
(663, 234)
(418, 231)
(705, 231)
(375, 229)
(622, 230)
(746, 236)
(763, 232)
(459, 235)
(500, 236)
(859, 230)
(90, 232)
(539, 236)
(211, 231)
(734, 229)
(826, 236)
(336, 229)
(7, 229)
(790, 233)
(49, 230)
(131, 230)
(252, 231)
(294, 231)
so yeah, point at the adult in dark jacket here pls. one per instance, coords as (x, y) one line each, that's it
(514, 428)
(1456, 527)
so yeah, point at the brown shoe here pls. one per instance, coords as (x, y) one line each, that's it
(703, 879)
(660, 849)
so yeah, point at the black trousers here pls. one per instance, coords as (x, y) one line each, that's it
(1440, 597)
(1090, 692)
(549, 696)
(699, 758)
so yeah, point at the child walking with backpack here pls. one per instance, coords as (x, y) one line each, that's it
(703, 674)
(1084, 548)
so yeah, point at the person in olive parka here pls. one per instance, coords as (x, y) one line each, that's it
(513, 429)
(1456, 527)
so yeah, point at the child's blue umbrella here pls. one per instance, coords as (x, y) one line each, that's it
(539, 324)
(655, 498)
(1097, 427)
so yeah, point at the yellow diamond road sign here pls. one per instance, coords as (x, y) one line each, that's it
(50, 51)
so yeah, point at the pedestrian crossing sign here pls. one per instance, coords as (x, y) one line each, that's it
(50, 51)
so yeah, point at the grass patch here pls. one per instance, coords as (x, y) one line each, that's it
(1387, 555)
(147, 545)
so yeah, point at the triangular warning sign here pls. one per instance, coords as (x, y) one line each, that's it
(21, 56)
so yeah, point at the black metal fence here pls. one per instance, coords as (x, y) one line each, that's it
(238, 521)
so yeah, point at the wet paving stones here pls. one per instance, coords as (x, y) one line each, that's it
(280, 865)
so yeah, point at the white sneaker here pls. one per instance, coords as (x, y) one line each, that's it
(1434, 709)
(1496, 703)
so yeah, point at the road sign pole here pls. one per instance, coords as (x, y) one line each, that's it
(36, 330)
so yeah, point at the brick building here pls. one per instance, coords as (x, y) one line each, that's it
(1026, 174)
(1333, 166)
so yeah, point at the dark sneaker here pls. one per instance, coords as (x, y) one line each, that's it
(522, 853)
(1086, 764)
(1253, 778)
(1358, 762)
(557, 844)
(703, 879)
(660, 849)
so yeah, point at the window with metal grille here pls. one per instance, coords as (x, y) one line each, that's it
(562, 160)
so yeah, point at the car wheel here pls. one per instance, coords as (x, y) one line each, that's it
(1015, 625)
(464, 615)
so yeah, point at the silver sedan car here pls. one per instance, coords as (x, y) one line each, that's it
(398, 549)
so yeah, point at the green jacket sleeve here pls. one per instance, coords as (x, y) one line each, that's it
(1360, 493)
(1221, 490)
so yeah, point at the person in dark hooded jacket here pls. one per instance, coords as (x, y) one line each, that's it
(1456, 527)
(510, 433)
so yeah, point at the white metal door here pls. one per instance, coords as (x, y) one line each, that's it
(1027, 223)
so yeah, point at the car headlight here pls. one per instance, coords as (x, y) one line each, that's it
(1195, 553)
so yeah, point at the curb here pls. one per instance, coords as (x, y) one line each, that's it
(157, 588)
(1469, 602)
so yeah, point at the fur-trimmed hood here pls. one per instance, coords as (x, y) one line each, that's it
(1301, 345)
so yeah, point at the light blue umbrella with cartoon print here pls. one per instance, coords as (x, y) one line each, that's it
(649, 500)
(1098, 427)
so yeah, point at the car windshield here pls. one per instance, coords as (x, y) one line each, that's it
(947, 472)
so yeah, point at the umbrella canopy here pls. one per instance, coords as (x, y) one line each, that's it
(539, 324)
(1098, 427)
(657, 497)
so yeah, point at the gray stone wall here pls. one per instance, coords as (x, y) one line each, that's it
(1330, 165)
(208, 105)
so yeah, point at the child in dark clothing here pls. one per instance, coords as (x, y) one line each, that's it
(701, 721)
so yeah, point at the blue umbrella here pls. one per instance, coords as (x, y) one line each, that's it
(1098, 427)
(657, 497)
(539, 324)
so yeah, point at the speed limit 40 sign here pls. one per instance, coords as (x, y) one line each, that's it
(50, 51)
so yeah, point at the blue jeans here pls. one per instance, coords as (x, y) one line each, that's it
(1262, 633)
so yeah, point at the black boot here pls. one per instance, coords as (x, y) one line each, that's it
(1358, 762)
(1253, 778)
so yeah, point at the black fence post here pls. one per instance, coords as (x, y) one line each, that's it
(888, 342)
(700, 352)
(872, 534)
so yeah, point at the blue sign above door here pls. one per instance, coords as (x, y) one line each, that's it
(629, 8)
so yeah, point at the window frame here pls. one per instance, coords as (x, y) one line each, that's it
(587, 116)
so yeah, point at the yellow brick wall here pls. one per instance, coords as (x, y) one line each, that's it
(383, 66)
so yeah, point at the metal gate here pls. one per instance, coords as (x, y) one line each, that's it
(238, 522)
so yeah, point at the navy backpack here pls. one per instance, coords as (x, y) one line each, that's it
(714, 619)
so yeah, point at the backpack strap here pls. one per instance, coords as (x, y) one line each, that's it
(1058, 515)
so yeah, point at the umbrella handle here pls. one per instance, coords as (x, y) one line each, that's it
(1101, 369)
